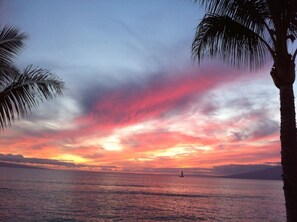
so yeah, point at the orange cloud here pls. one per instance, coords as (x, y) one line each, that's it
(170, 121)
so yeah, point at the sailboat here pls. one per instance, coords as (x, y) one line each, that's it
(181, 174)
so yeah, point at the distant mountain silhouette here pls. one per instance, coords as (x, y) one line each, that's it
(14, 165)
(272, 173)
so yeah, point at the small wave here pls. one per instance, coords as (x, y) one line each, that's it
(81, 183)
(144, 192)
(126, 192)
(182, 195)
(173, 218)
(4, 188)
(126, 185)
(61, 220)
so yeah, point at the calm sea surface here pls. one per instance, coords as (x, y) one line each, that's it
(49, 195)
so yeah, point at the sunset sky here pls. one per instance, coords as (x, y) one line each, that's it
(135, 100)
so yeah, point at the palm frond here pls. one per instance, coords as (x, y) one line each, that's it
(8, 72)
(276, 16)
(224, 38)
(11, 41)
(293, 20)
(252, 13)
(232, 7)
(289, 11)
(34, 85)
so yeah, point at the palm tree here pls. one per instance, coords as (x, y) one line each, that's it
(245, 33)
(20, 91)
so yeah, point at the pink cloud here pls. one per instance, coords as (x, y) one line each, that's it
(133, 103)
(165, 100)
(155, 141)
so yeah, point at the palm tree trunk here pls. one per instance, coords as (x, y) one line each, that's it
(289, 150)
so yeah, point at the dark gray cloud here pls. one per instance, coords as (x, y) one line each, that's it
(21, 159)
(222, 170)
(237, 168)
(260, 124)
(264, 128)
(108, 168)
(92, 91)
(239, 136)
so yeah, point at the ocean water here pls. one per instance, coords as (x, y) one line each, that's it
(50, 195)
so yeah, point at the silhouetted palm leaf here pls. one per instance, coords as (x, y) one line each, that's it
(238, 32)
(20, 91)
(11, 41)
(7, 72)
(227, 39)
(26, 91)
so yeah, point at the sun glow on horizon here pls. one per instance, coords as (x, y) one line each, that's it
(71, 158)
